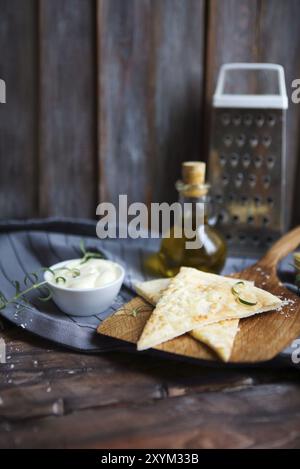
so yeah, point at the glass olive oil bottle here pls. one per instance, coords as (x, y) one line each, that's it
(174, 251)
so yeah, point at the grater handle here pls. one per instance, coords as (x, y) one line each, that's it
(276, 101)
(284, 246)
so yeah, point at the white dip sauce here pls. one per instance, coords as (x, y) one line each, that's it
(92, 274)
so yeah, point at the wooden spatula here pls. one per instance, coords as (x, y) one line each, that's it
(260, 337)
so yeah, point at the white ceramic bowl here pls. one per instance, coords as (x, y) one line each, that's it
(85, 301)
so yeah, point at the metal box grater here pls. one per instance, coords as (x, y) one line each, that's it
(247, 155)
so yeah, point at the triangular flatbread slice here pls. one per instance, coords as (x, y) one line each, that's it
(152, 290)
(194, 298)
(219, 335)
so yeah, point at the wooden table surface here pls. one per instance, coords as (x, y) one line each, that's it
(53, 398)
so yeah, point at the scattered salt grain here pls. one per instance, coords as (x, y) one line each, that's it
(56, 408)
(48, 389)
(12, 366)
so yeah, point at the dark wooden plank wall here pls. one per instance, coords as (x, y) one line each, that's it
(124, 48)
(67, 105)
(18, 117)
(150, 94)
(109, 96)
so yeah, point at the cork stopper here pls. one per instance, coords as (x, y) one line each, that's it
(193, 179)
(193, 172)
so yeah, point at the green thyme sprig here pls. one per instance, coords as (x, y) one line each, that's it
(73, 271)
(134, 312)
(87, 255)
(20, 294)
(31, 281)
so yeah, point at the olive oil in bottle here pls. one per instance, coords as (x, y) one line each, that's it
(174, 251)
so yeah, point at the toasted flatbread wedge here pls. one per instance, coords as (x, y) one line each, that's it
(152, 290)
(219, 335)
(194, 298)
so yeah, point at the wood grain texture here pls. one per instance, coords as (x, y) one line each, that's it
(231, 28)
(286, 51)
(260, 338)
(18, 117)
(150, 65)
(125, 325)
(123, 32)
(231, 36)
(150, 94)
(177, 113)
(60, 399)
(67, 140)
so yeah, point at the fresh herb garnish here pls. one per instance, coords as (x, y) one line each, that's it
(87, 255)
(246, 301)
(73, 271)
(133, 312)
(60, 279)
(21, 294)
(242, 296)
(235, 289)
(31, 281)
(136, 311)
